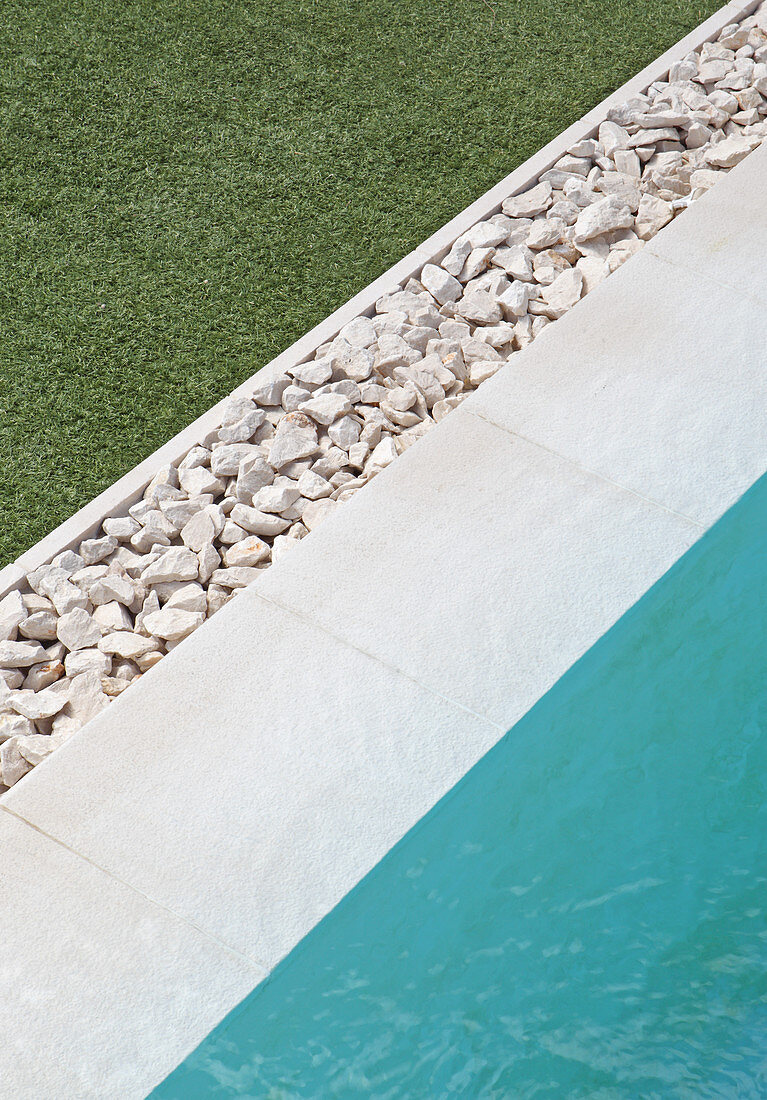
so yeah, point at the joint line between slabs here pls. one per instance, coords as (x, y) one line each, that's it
(682, 266)
(253, 963)
(304, 618)
(482, 415)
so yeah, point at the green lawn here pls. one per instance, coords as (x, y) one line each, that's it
(186, 187)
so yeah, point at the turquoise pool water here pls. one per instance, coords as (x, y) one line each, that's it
(585, 914)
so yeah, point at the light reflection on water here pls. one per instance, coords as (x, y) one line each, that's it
(584, 915)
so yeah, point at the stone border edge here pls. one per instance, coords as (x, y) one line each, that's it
(118, 497)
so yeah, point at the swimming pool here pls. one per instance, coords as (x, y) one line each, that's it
(584, 914)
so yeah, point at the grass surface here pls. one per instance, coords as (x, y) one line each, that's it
(189, 185)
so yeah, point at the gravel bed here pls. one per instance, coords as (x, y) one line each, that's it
(82, 629)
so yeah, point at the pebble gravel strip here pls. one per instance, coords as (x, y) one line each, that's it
(80, 630)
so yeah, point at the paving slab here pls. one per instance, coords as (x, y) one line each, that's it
(665, 397)
(98, 981)
(262, 769)
(504, 563)
(733, 249)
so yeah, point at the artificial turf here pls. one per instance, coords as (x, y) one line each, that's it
(187, 186)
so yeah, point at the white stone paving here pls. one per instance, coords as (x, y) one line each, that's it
(681, 402)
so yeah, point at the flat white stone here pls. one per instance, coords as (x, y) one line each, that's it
(156, 526)
(86, 698)
(612, 137)
(314, 373)
(545, 233)
(69, 561)
(235, 576)
(42, 675)
(33, 602)
(296, 437)
(356, 363)
(225, 461)
(482, 369)
(40, 626)
(621, 187)
(443, 286)
(35, 747)
(478, 261)
(358, 453)
(627, 163)
(270, 391)
(250, 551)
(514, 300)
(199, 532)
(359, 332)
(127, 644)
(563, 293)
(252, 475)
(244, 429)
(111, 616)
(257, 522)
(190, 597)
(455, 259)
(78, 630)
(173, 624)
(728, 153)
(235, 408)
(516, 261)
(480, 307)
(326, 407)
(199, 480)
(110, 588)
(652, 215)
(12, 678)
(383, 454)
(176, 564)
(41, 704)
(66, 596)
(594, 271)
(87, 660)
(197, 456)
(652, 137)
(601, 217)
(14, 725)
(12, 613)
(21, 654)
(316, 511)
(278, 496)
(43, 579)
(294, 397)
(95, 550)
(85, 577)
(531, 202)
(13, 764)
(345, 432)
(488, 233)
(312, 486)
(232, 532)
(207, 558)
